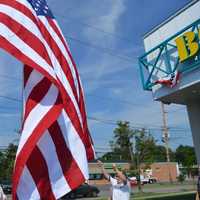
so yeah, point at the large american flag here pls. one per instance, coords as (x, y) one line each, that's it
(55, 143)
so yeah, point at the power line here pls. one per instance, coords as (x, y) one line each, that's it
(125, 102)
(96, 28)
(134, 126)
(10, 77)
(8, 108)
(101, 49)
(10, 98)
(111, 122)
(99, 97)
(118, 100)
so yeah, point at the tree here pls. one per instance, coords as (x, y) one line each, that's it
(7, 159)
(145, 146)
(1, 164)
(185, 155)
(111, 157)
(160, 154)
(181, 178)
(145, 151)
(122, 144)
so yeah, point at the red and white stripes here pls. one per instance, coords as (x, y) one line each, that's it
(55, 143)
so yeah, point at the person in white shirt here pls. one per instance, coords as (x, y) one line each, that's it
(120, 185)
(2, 195)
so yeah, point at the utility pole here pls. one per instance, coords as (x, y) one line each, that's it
(165, 131)
(166, 138)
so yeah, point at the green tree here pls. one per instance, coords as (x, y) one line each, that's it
(7, 159)
(135, 146)
(160, 154)
(145, 146)
(122, 144)
(181, 178)
(185, 155)
(110, 157)
(1, 164)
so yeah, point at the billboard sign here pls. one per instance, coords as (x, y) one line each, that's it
(172, 59)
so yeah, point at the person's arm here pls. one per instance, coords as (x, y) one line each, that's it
(2, 195)
(101, 165)
(120, 174)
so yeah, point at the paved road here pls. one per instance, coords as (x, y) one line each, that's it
(154, 188)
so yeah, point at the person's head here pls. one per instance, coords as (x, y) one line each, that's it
(119, 180)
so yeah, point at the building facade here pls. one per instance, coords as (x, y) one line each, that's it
(162, 172)
(170, 66)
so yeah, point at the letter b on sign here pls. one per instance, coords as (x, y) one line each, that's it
(187, 46)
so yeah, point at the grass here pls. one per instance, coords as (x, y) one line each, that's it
(157, 191)
(165, 187)
(155, 196)
(168, 185)
(176, 196)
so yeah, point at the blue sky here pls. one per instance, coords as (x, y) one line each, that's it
(105, 38)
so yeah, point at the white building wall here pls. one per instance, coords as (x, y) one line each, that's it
(188, 89)
(173, 26)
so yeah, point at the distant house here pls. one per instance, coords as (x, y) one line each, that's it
(96, 176)
(162, 171)
(165, 172)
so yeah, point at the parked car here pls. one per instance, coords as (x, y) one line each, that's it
(6, 186)
(152, 180)
(148, 180)
(144, 180)
(133, 180)
(84, 190)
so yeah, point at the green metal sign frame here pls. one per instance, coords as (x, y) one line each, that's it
(147, 68)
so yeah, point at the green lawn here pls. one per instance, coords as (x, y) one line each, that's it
(179, 196)
(151, 196)
(169, 185)
(183, 191)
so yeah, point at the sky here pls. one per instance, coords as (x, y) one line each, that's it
(105, 38)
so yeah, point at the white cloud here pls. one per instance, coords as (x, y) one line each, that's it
(108, 21)
(102, 72)
(5, 140)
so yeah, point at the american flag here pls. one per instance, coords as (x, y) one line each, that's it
(55, 143)
(170, 80)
